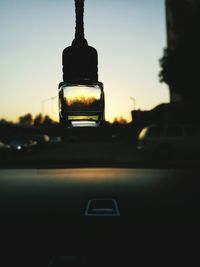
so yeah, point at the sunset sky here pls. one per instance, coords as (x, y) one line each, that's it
(129, 36)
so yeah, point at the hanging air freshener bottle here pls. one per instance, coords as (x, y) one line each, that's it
(81, 95)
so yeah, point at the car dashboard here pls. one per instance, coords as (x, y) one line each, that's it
(97, 216)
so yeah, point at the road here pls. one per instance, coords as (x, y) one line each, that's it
(87, 154)
(73, 153)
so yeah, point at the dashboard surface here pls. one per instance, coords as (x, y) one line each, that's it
(43, 214)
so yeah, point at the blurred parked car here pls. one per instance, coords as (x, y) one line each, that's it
(170, 141)
(22, 144)
(41, 139)
(55, 140)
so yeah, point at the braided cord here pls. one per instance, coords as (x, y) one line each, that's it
(79, 9)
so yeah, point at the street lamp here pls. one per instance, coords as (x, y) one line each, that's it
(134, 102)
(49, 99)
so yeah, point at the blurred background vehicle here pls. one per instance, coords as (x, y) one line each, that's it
(169, 141)
(55, 139)
(42, 140)
(19, 144)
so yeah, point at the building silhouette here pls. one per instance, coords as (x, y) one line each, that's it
(182, 56)
(179, 66)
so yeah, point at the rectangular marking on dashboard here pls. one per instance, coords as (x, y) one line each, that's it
(102, 207)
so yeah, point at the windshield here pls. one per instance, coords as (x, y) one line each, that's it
(139, 64)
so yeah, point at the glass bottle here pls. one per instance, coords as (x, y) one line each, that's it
(81, 104)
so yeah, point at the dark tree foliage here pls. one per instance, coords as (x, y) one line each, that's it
(38, 120)
(180, 61)
(26, 119)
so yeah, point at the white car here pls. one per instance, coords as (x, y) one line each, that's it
(170, 141)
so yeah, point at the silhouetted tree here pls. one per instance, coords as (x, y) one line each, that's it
(38, 120)
(47, 121)
(27, 120)
(179, 64)
(5, 122)
(120, 120)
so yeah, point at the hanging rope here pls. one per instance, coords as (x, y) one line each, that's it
(79, 39)
(79, 9)
(80, 61)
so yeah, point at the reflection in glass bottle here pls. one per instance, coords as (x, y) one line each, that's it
(81, 104)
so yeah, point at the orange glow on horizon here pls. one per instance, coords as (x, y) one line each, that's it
(81, 100)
